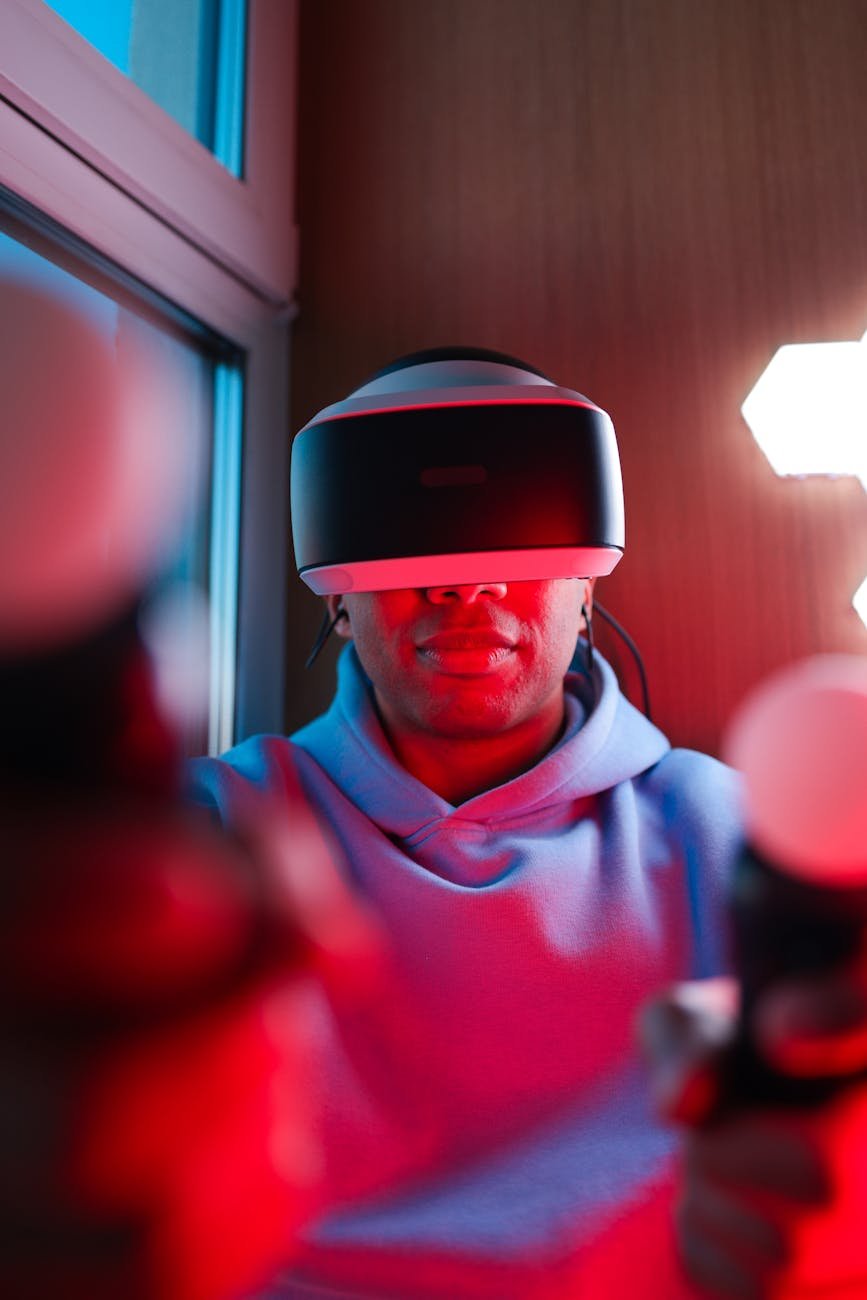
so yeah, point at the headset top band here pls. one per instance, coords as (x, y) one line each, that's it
(449, 383)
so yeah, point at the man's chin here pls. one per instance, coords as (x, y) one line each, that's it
(471, 720)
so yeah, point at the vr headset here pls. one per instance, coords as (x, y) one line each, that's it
(455, 466)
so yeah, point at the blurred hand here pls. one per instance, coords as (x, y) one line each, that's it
(155, 1138)
(155, 1134)
(773, 1199)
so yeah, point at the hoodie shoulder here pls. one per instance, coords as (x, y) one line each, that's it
(260, 767)
(697, 791)
(699, 801)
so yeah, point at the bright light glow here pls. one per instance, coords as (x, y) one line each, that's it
(859, 600)
(808, 411)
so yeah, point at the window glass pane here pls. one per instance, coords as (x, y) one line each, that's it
(204, 564)
(187, 55)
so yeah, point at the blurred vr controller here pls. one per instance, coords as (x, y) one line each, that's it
(94, 488)
(82, 717)
(799, 887)
(90, 757)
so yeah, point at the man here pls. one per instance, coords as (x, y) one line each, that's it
(538, 856)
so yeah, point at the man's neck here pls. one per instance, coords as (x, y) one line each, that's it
(457, 768)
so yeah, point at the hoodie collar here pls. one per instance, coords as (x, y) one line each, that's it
(605, 741)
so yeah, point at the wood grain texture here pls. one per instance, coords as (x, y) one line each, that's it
(645, 198)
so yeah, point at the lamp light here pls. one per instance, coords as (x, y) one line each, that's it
(808, 413)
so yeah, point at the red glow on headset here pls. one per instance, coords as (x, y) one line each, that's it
(439, 406)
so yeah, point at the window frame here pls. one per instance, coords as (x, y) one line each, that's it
(66, 87)
(223, 253)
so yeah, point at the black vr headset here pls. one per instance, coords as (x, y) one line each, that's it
(455, 466)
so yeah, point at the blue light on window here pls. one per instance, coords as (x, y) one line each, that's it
(106, 26)
(189, 56)
(225, 550)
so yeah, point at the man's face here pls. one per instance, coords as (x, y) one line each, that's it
(466, 661)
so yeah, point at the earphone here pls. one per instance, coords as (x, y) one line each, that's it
(326, 628)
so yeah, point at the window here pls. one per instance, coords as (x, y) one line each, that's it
(187, 55)
(123, 189)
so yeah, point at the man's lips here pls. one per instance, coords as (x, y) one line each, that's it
(466, 639)
(466, 652)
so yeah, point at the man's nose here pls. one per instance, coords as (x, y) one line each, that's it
(466, 593)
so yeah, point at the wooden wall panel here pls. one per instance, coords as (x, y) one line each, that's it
(645, 198)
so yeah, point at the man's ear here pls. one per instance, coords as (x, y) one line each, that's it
(337, 610)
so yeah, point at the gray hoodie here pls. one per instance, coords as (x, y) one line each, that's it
(485, 1123)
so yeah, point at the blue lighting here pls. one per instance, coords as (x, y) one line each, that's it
(105, 26)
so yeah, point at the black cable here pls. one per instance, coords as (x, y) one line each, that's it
(588, 622)
(326, 627)
(621, 631)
